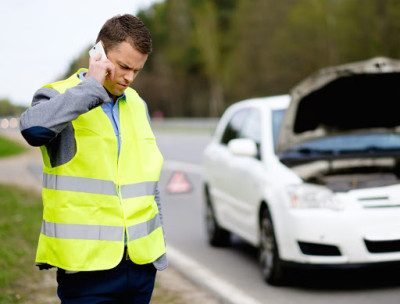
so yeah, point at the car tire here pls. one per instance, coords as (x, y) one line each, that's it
(217, 236)
(271, 265)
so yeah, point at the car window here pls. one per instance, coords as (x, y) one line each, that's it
(234, 126)
(252, 126)
(370, 143)
(252, 129)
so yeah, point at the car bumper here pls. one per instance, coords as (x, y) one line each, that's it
(350, 237)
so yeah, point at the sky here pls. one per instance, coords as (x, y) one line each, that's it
(40, 38)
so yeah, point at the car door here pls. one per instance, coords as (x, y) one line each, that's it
(218, 166)
(243, 179)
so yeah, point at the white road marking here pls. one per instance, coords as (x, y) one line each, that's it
(202, 276)
(196, 272)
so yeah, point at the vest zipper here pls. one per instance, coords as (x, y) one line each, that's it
(127, 254)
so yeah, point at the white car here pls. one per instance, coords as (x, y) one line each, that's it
(311, 177)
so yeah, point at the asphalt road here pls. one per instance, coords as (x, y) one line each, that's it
(237, 264)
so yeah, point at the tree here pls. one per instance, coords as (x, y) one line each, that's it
(208, 54)
(208, 41)
(9, 109)
(369, 28)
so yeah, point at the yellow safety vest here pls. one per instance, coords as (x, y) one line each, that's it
(92, 200)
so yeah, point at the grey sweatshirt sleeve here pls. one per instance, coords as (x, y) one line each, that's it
(51, 111)
(157, 198)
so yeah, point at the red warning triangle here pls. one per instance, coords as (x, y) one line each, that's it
(178, 183)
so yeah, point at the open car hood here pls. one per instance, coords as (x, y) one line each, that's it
(352, 98)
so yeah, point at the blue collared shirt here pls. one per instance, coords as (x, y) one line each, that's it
(112, 111)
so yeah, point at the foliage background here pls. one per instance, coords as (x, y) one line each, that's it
(7, 108)
(208, 54)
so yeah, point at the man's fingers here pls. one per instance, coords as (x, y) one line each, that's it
(96, 58)
(111, 71)
(100, 69)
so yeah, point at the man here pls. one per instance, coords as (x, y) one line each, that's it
(102, 222)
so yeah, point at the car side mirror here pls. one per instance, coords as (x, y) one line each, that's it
(243, 147)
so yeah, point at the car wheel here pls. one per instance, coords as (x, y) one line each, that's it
(217, 236)
(271, 265)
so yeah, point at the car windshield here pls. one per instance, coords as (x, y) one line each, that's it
(346, 144)
(277, 116)
(336, 145)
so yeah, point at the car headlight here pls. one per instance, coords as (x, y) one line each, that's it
(314, 196)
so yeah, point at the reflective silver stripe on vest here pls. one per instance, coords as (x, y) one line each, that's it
(78, 184)
(139, 189)
(82, 232)
(143, 229)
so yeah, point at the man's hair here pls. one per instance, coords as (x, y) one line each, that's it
(125, 28)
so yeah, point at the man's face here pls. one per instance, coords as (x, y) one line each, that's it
(128, 62)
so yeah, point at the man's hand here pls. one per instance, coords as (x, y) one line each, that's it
(100, 69)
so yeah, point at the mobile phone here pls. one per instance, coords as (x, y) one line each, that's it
(98, 48)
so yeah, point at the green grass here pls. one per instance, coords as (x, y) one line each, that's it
(20, 280)
(8, 147)
(20, 220)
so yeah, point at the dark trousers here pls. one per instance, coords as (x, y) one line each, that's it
(127, 283)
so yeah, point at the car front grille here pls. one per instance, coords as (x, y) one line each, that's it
(383, 246)
(379, 202)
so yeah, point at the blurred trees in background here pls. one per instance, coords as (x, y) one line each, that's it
(208, 54)
(9, 109)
